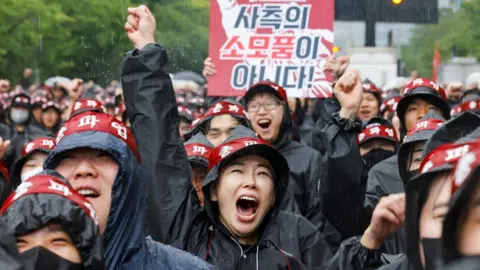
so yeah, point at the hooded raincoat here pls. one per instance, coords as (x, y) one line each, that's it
(47, 198)
(125, 240)
(152, 110)
(302, 160)
(9, 256)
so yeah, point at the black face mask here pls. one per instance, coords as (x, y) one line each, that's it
(41, 258)
(375, 156)
(432, 251)
(410, 175)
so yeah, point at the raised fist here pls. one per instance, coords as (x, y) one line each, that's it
(348, 91)
(140, 26)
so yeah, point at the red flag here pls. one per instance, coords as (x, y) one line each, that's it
(436, 63)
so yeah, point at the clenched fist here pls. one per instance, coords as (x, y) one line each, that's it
(348, 91)
(140, 26)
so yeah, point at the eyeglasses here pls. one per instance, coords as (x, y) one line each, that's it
(254, 107)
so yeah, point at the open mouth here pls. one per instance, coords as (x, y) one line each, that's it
(365, 112)
(247, 208)
(264, 123)
(88, 193)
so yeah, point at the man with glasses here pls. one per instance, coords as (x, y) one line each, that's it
(271, 118)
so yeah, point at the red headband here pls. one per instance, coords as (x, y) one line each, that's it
(228, 148)
(370, 87)
(24, 100)
(93, 121)
(464, 167)
(424, 82)
(376, 130)
(39, 99)
(87, 104)
(429, 124)
(184, 109)
(39, 144)
(46, 184)
(466, 106)
(222, 107)
(51, 104)
(198, 150)
(281, 91)
(445, 154)
(390, 104)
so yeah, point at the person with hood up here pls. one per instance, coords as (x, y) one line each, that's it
(245, 174)
(98, 155)
(30, 163)
(21, 129)
(271, 118)
(377, 141)
(371, 102)
(459, 239)
(428, 196)
(185, 120)
(389, 236)
(420, 96)
(218, 121)
(55, 227)
(9, 256)
(410, 156)
(51, 116)
(37, 111)
(198, 150)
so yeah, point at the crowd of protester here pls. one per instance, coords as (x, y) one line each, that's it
(150, 173)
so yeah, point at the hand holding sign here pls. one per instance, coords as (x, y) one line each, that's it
(337, 66)
(208, 68)
(348, 91)
(140, 26)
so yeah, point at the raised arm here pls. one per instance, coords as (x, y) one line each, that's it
(343, 186)
(152, 111)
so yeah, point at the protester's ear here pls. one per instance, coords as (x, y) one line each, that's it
(213, 193)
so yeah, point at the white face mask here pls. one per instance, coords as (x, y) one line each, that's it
(19, 116)
(31, 173)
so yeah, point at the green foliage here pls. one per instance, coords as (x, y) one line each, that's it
(183, 27)
(86, 39)
(454, 30)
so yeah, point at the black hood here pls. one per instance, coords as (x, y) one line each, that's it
(466, 176)
(200, 157)
(35, 146)
(288, 128)
(417, 189)
(31, 208)
(220, 108)
(414, 136)
(461, 126)
(277, 161)
(427, 90)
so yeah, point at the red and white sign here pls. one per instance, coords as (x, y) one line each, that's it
(284, 41)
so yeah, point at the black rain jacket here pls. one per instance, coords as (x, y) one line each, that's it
(152, 110)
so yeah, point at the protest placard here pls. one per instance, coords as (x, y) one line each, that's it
(284, 41)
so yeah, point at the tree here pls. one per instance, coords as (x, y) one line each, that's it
(182, 27)
(73, 38)
(86, 39)
(454, 31)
